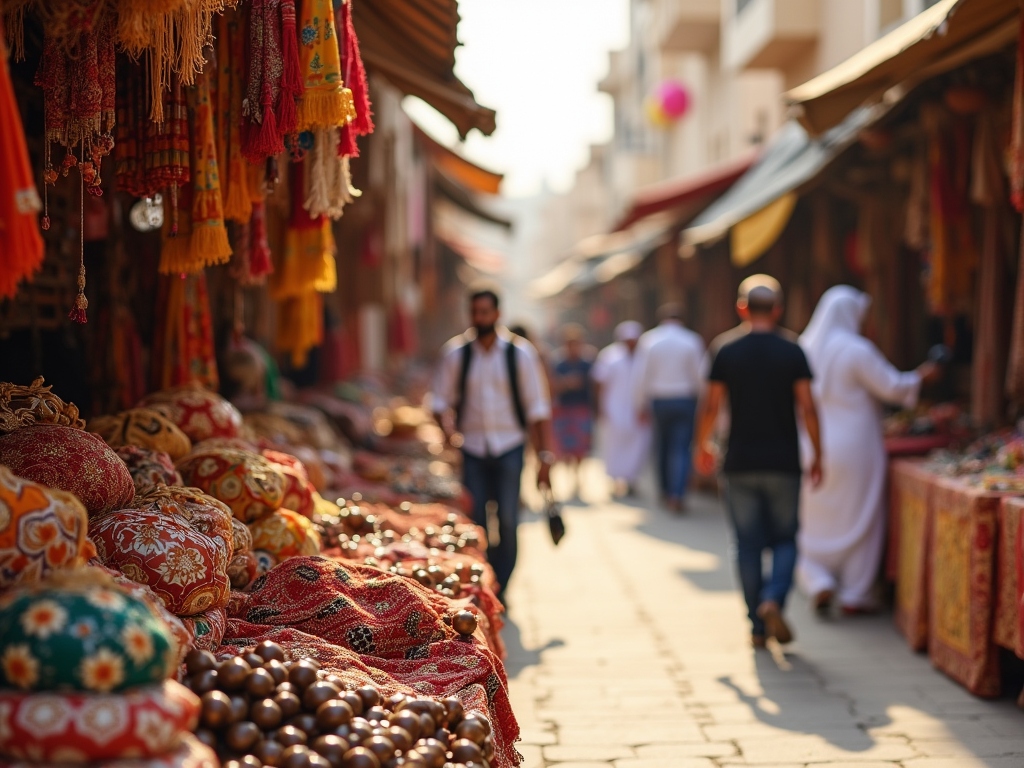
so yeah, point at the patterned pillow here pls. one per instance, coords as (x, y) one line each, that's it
(148, 468)
(203, 512)
(207, 629)
(82, 727)
(70, 460)
(298, 491)
(143, 428)
(242, 537)
(285, 534)
(184, 568)
(242, 569)
(40, 529)
(80, 631)
(199, 413)
(245, 481)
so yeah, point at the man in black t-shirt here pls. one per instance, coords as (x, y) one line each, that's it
(766, 379)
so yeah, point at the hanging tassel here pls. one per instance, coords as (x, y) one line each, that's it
(355, 79)
(317, 186)
(260, 264)
(291, 79)
(77, 313)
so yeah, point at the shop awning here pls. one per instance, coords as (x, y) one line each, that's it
(473, 177)
(791, 160)
(689, 189)
(483, 259)
(455, 193)
(412, 43)
(945, 36)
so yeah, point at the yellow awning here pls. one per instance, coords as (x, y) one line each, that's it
(757, 233)
(945, 36)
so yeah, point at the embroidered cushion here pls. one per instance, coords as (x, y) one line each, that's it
(242, 538)
(83, 727)
(148, 468)
(70, 460)
(40, 529)
(298, 491)
(206, 630)
(203, 512)
(199, 413)
(80, 631)
(242, 569)
(285, 534)
(143, 428)
(185, 568)
(245, 481)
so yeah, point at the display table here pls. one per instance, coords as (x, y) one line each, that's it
(1006, 631)
(961, 591)
(911, 488)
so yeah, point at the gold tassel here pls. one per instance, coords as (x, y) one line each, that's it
(325, 108)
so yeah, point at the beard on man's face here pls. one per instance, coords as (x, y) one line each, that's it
(484, 330)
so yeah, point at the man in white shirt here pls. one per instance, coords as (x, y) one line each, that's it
(490, 387)
(667, 383)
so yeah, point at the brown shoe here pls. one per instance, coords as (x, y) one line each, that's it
(774, 624)
(822, 603)
(759, 641)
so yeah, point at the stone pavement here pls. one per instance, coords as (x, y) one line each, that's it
(628, 648)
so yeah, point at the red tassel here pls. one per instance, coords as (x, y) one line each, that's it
(291, 78)
(354, 71)
(265, 140)
(259, 255)
(77, 315)
(347, 146)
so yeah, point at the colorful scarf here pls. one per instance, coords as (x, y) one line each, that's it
(326, 102)
(291, 79)
(231, 68)
(206, 242)
(184, 351)
(355, 78)
(21, 245)
(261, 136)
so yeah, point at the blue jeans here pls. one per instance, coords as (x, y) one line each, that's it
(763, 509)
(496, 478)
(673, 438)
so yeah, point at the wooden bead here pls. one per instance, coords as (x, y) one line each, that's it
(207, 737)
(317, 694)
(260, 683)
(305, 722)
(302, 675)
(409, 721)
(253, 660)
(354, 700)
(464, 622)
(454, 711)
(466, 751)
(231, 674)
(243, 736)
(199, 661)
(376, 714)
(473, 729)
(289, 703)
(318, 761)
(266, 713)
(239, 707)
(269, 752)
(381, 746)
(400, 737)
(296, 756)
(270, 651)
(277, 671)
(289, 736)
(204, 681)
(332, 748)
(333, 713)
(369, 695)
(216, 710)
(360, 757)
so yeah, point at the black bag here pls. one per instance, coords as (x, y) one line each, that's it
(553, 510)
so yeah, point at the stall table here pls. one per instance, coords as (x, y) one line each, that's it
(910, 526)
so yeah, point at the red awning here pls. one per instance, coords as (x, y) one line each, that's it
(676, 193)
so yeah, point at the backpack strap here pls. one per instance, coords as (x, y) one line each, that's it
(467, 358)
(513, 382)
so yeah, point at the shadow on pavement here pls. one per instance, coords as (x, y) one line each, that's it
(519, 658)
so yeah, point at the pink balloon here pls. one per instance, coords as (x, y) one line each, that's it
(674, 98)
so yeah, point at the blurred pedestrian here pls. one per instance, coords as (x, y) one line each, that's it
(625, 441)
(490, 388)
(765, 378)
(842, 529)
(573, 399)
(666, 385)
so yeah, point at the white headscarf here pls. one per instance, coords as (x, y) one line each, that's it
(630, 330)
(840, 311)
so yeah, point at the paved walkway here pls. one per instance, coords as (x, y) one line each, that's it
(628, 647)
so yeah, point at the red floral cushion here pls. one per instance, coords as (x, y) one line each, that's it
(199, 413)
(298, 491)
(246, 482)
(40, 529)
(184, 568)
(70, 460)
(148, 468)
(285, 534)
(82, 727)
(203, 512)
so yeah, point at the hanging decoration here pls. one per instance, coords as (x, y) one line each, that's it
(261, 136)
(668, 104)
(355, 78)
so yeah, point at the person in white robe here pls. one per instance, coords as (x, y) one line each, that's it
(842, 521)
(625, 441)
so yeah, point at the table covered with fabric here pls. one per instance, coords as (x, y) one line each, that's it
(910, 514)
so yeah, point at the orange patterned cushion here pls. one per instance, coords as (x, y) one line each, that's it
(245, 481)
(143, 428)
(70, 460)
(40, 529)
(199, 413)
(285, 534)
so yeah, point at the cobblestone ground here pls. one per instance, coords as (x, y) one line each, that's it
(628, 647)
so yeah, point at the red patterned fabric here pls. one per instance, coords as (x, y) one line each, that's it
(911, 511)
(83, 727)
(961, 593)
(184, 568)
(199, 413)
(285, 534)
(204, 513)
(148, 468)
(243, 568)
(245, 481)
(299, 494)
(70, 460)
(41, 529)
(1006, 629)
(206, 630)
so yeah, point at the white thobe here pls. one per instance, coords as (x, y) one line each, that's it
(625, 442)
(842, 522)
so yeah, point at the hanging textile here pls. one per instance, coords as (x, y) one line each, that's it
(206, 240)
(1017, 135)
(230, 82)
(326, 102)
(328, 179)
(354, 74)
(183, 348)
(21, 244)
(261, 135)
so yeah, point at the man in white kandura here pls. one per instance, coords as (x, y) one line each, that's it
(625, 441)
(842, 521)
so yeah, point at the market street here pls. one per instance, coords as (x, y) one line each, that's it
(628, 646)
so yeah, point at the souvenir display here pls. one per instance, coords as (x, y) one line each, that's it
(199, 413)
(142, 428)
(70, 460)
(245, 481)
(285, 534)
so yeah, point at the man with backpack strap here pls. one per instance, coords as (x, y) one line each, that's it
(490, 390)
